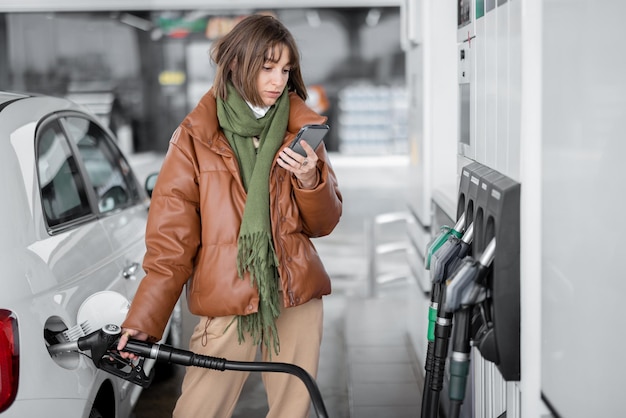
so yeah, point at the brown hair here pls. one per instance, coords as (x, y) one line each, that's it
(241, 53)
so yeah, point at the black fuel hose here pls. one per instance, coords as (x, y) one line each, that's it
(103, 342)
(165, 353)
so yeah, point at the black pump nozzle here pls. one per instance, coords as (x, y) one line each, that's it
(466, 287)
(464, 290)
(102, 345)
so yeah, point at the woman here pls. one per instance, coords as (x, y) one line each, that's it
(234, 209)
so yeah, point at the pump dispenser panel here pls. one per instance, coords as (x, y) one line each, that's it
(491, 201)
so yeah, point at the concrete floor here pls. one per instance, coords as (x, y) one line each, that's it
(366, 367)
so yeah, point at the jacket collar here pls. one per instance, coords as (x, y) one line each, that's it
(201, 123)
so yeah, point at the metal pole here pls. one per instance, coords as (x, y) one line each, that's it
(370, 240)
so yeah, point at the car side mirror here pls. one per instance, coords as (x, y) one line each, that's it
(150, 183)
(112, 199)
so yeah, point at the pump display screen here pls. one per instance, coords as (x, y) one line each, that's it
(464, 114)
(463, 13)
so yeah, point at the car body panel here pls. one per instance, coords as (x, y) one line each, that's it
(126, 232)
(48, 273)
(66, 408)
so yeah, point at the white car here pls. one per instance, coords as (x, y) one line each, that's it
(73, 221)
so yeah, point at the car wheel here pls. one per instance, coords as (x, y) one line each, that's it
(94, 413)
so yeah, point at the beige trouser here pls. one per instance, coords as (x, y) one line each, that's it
(213, 394)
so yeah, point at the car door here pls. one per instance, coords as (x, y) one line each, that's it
(121, 204)
(71, 259)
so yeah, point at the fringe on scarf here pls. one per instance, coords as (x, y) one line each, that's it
(256, 256)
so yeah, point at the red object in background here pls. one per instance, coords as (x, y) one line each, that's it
(179, 33)
(318, 99)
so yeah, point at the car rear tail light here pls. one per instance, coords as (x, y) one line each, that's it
(9, 358)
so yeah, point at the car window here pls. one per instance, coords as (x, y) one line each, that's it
(63, 194)
(108, 172)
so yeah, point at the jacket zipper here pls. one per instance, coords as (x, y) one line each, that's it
(235, 170)
(277, 240)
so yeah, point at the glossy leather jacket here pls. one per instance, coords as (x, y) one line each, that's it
(193, 224)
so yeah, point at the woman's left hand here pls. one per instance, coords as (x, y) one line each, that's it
(304, 168)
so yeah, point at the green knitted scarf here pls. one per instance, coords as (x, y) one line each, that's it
(255, 249)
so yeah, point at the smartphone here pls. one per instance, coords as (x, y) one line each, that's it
(312, 134)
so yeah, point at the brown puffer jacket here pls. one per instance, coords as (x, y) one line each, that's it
(195, 214)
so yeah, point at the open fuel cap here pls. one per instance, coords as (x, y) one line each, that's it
(102, 308)
(96, 312)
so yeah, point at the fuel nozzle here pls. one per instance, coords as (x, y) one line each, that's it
(466, 286)
(436, 247)
(447, 259)
(102, 345)
(98, 342)
(443, 264)
(443, 261)
(445, 232)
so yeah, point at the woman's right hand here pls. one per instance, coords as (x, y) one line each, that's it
(128, 333)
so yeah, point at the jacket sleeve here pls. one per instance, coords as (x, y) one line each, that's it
(172, 239)
(321, 207)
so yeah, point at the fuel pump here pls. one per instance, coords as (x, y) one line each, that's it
(465, 289)
(443, 264)
(486, 306)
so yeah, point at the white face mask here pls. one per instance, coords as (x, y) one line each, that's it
(259, 112)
